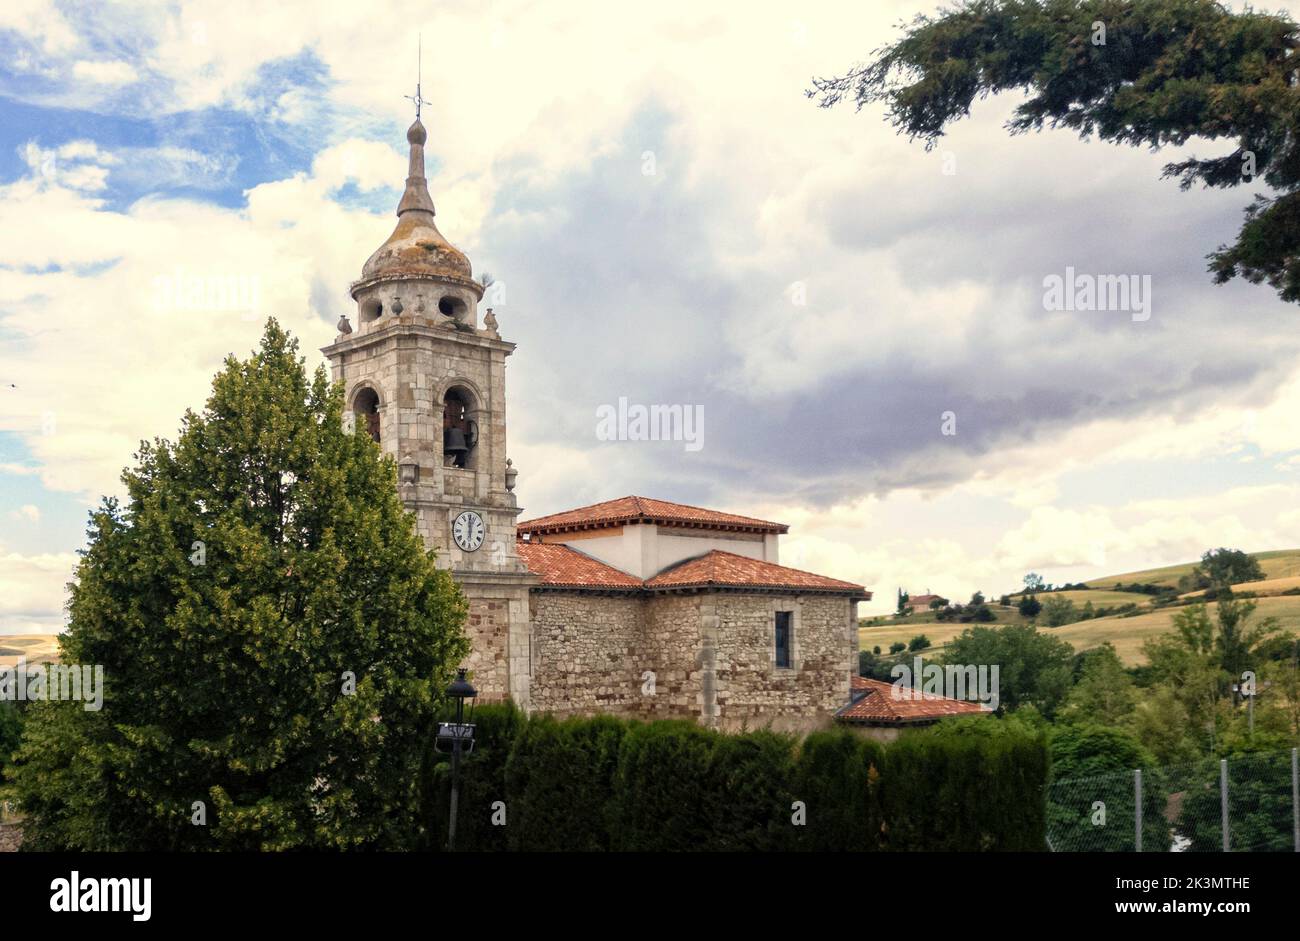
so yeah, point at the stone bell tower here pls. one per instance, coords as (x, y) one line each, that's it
(425, 376)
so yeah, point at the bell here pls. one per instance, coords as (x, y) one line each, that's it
(453, 444)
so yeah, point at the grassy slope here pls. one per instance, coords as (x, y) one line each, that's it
(1283, 563)
(34, 648)
(1127, 634)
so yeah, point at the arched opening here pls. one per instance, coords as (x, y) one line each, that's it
(372, 310)
(459, 429)
(366, 407)
(452, 306)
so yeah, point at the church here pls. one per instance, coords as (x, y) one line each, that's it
(635, 606)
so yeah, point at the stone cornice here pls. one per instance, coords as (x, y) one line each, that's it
(408, 325)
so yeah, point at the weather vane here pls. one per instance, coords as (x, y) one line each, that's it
(419, 70)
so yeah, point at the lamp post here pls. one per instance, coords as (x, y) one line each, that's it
(455, 736)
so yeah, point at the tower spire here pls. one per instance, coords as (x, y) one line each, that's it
(417, 198)
(419, 76)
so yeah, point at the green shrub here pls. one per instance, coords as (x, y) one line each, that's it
(11, 731)
(482, 783)
(965, 785)
(837, 777)
(661, 787)
(748, 798)
(560, 783)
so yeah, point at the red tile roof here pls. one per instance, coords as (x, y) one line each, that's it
(921, 601)
(881, 703)
(559, 566)
(718, 569)
(646, 510)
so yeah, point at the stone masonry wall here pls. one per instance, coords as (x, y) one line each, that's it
(585, 653)
(488, 627)
(713, 657)
(751, 690)
(672, 640)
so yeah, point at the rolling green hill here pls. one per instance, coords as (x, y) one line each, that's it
(1128, 634)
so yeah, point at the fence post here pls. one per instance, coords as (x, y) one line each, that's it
(1223, 799)
(1295, 797)
(1137, 813)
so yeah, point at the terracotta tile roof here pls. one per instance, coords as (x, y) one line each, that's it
(878, 703)
(718, 569)
(646, 510)
(559, 566)
(921, 601)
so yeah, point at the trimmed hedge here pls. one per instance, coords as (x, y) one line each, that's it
(482, 782)
(966, 785)
(608, 784)
(838, 779)
(660, 786)
(560, 782)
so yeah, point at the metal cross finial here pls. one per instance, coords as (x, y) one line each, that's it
(419, 75)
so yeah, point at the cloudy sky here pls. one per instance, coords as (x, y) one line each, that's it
(673, 222)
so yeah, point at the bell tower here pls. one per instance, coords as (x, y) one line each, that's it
(424, 375)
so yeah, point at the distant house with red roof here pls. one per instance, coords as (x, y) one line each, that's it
(883, 709)
(919, 603)
(654, 609)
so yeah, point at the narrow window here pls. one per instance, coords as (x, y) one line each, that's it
(784, 630)
(366, 405)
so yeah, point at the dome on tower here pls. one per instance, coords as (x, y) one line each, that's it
(416, 248)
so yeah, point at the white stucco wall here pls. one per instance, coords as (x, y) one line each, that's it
(645, 550)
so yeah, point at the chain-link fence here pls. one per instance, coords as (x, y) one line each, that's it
(1250, 803)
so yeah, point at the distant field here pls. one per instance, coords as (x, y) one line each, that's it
(34, 648)
(1282, 563)
(1100, 597)
(1267, 586)
(1127, 634)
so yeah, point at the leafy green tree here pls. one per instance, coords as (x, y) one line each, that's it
(1161, 724)
(1161, 72)
(1029, 606)
(273, 633)
(1032, 667)
(897, 647)
(1202, 657)
(919, 642)
(1059, 611)
(11, 731)
(1259, 800)
(1033, 582)
(1221, 568)
(1091, 800)
(1104, 694)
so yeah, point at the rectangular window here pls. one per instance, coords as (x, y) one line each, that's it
(784, 632)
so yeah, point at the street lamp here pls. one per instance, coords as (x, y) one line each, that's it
(455, 737)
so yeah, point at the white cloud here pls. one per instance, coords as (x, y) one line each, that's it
(32, 591)
(28, 511)
(41, 22)
(104, 72)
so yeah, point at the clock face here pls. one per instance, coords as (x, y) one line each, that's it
(468, 531)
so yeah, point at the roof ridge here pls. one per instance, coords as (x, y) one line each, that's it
(788, 568)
